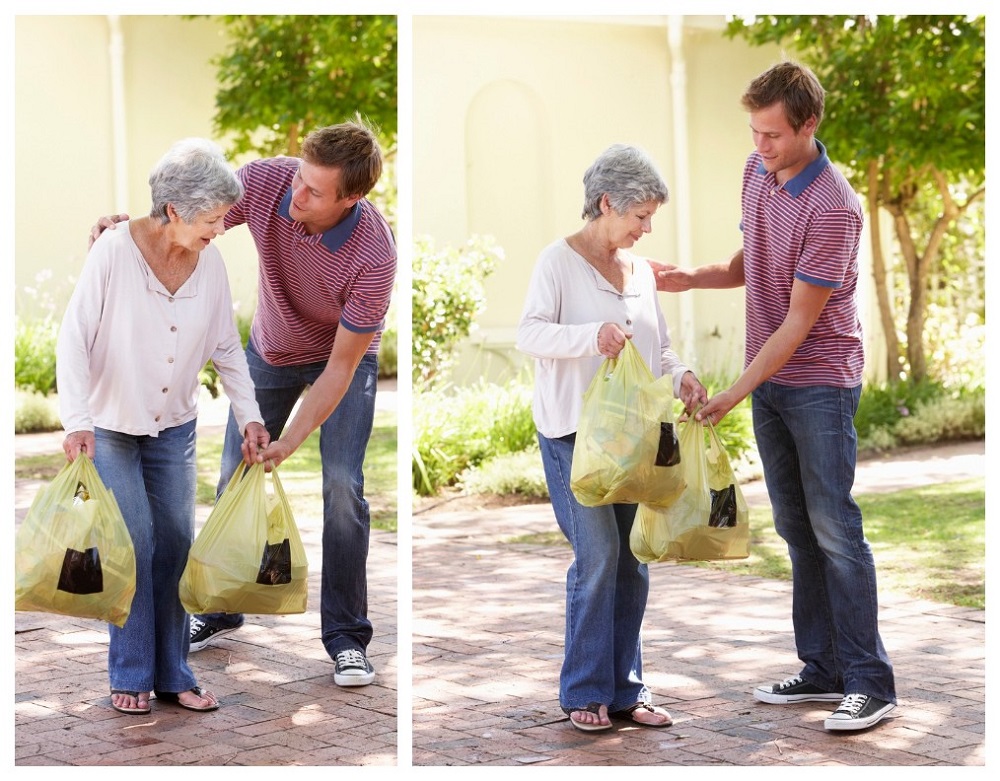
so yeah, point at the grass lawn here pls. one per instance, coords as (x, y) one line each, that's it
(928, 542)
(300, 474)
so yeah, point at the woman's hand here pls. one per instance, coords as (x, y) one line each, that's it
(255, 439)
(693, 393)
(79, 442)
(611, 340)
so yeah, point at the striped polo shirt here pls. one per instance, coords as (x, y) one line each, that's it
(309, 286)
(807, 229)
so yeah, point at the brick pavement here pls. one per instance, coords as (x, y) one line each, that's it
(487, 646)
(273, 677)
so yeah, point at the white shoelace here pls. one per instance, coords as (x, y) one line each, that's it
(853, 703)
(795, 680)
(196, 625)
(352, 658)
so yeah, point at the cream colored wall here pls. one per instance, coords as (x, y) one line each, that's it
(67, 160)
(508, 112)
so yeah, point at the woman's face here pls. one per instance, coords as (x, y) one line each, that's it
(626, 229)
(198, 234)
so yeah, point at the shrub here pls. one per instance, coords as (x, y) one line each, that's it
(512, 474)
(456, 428)
(448, 294)
(34, 413)
(35, 354)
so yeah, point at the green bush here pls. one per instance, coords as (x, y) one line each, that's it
(883, 406)
(35, 354)
(457, 428)
(512, 474)
(448, 294)
(35, 412)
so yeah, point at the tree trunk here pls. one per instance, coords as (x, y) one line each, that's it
(880, 275)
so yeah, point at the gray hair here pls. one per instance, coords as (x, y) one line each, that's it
(195, 177)
(627, 175)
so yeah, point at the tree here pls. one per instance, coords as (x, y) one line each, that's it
(282, 76)
(906, 116)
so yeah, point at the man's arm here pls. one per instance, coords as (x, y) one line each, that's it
(323, 397)
(804, 309)
(673, 279)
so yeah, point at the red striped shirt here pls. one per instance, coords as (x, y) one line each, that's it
(309, 286)
(807, 229)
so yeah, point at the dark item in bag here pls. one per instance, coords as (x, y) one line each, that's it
(276, 564)
(81, 572)
(668, 453)
(723, 513)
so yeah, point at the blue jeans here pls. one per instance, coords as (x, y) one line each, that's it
(606, 590)
(153, 480)
(346, 522)
(808, 448)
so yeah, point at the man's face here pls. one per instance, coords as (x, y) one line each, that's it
(784, 151)
(316, 200)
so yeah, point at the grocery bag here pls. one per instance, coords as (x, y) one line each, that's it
(626, 443)
(248, 557)
(73, 554)
(710, 519)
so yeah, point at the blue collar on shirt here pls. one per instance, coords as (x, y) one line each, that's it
(337, 236)
(795, 187)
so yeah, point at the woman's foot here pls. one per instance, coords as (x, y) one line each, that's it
(132, 703)
(593, 718)
(197, 699)
(647, 715)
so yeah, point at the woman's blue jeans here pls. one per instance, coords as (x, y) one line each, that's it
(606, 591)
(343, 441)
(153, 480)
(808, 448)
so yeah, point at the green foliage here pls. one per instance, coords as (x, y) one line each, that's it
(918, 413)
(208, 376)
(457, 428)
(282, 76)
(448, 295)
(35, 354)
(512, 474)
(35, 412)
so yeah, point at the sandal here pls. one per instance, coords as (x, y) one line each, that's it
(174, 697)
(136, 711)
(594, 707)
(629, 713)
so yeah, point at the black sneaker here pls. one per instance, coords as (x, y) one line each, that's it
(794, 690)
(353, 669)
(202, 634)
(858, 711)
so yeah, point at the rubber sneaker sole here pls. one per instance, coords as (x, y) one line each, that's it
(354, 679)
(765, 694)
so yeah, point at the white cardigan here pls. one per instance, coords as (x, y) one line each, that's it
(567, 303)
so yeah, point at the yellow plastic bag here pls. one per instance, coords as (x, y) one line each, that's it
(73, 554)
(626, 444)
(710, 519)
(248, 558)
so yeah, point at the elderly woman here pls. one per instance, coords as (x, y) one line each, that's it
(587, 295)
(152, 306)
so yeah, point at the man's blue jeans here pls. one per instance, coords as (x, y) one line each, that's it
(346, 523)
(153, 480)
(808, 448)
(606, 590)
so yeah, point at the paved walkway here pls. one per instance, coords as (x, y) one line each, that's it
(487, 627)
(273, 677)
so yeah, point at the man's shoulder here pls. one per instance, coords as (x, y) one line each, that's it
(269, 169)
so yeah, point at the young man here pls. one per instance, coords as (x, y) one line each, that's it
(327, 261)
(801, 227)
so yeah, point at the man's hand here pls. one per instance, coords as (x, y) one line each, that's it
(102, 224)
(274, 454)
(717, 407)
(670, 278)
(255, 439)
(79, 442)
